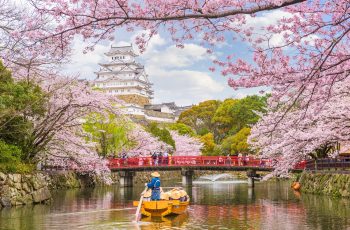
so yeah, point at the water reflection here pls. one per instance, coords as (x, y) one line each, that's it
(175, 221)
(213, 206)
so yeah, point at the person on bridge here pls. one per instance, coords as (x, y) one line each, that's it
(165, 157)
(155, 186)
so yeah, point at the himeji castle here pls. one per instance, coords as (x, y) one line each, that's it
(127, 79)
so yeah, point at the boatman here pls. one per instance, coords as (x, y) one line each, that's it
(155, 186)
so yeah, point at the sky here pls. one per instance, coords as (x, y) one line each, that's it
(178, 75)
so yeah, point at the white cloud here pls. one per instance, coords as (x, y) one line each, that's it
(184, 86)
(173, 57)
(175, 76)
(258, 23)
(85, 64)
(179, 75)
(122, 43)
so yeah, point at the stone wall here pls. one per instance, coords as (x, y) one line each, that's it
(152, 113)
(16, 189)
(67, 180)
(134, 99)
(326, 183)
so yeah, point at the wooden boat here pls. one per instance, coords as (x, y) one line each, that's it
(162, 208)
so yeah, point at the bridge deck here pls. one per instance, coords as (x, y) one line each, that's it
(218, 163)
(193, 167)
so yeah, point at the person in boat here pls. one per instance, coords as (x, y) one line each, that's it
(147, 195)
(154, 185)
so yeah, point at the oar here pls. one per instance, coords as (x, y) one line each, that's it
(140, 203)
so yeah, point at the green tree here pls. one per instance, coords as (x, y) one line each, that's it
(162, 133)
(209, 144)
(235, 114)
(223, 119)
(199, 116)
(9, 153)
(237, 143)
(182, 129)
(244, 112)
(21, 103)
(109, 132)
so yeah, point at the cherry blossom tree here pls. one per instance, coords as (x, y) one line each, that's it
(22, 48)
(145, 143)
(310, 57)
(303, 70)
(70, 151)
(58, 137)
(316, 32)
(186, 145)
(299, 136)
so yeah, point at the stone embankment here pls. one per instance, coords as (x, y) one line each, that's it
(332, 184)
(16, 189)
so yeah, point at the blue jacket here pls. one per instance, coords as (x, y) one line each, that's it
(154, 184)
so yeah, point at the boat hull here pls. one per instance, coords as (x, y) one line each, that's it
(162, 207)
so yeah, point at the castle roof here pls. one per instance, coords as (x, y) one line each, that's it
(171, 105)
(121, 50)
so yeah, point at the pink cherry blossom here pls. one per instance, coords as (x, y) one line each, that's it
(306, 70)
(186, 145)
(145, 143)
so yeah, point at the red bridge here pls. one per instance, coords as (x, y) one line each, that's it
(187, 164)
(195, 162)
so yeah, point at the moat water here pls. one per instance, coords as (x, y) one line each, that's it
(270, 205)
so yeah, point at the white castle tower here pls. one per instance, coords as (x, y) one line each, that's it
(124, 77)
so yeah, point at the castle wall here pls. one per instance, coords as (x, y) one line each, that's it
(135, 99)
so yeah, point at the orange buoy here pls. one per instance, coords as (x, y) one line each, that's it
(296, 186)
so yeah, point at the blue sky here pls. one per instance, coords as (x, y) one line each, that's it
(179, 75)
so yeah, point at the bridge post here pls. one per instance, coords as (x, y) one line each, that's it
(187, 176)
(126, 178)
(251, 174)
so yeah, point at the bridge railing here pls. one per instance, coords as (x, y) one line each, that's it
(115, 163)
(341, 163)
